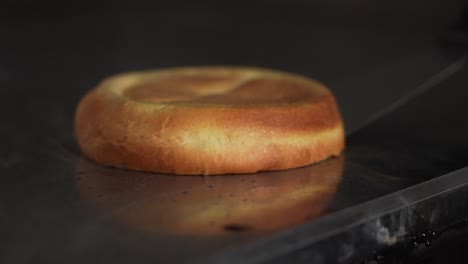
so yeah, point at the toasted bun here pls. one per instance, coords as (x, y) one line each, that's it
(210, 205)
(209, 120)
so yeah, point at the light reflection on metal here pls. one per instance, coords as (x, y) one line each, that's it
(211, 205)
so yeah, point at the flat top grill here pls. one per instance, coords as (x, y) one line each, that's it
(402, 175)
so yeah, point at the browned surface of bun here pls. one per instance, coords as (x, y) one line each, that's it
(209, 120)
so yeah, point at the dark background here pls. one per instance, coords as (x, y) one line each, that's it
(66, 47)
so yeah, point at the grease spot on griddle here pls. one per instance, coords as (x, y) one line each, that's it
(236, 228)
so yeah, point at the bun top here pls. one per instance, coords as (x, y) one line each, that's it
(216, 86)
(209, 120)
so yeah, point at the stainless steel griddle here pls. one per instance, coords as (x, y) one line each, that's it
(401, 182)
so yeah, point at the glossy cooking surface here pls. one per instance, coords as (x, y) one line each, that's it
(58, 207)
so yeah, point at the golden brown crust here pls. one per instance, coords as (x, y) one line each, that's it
(209, 121)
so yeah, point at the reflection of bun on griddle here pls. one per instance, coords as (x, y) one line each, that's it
(207, 205)
(209, 120)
